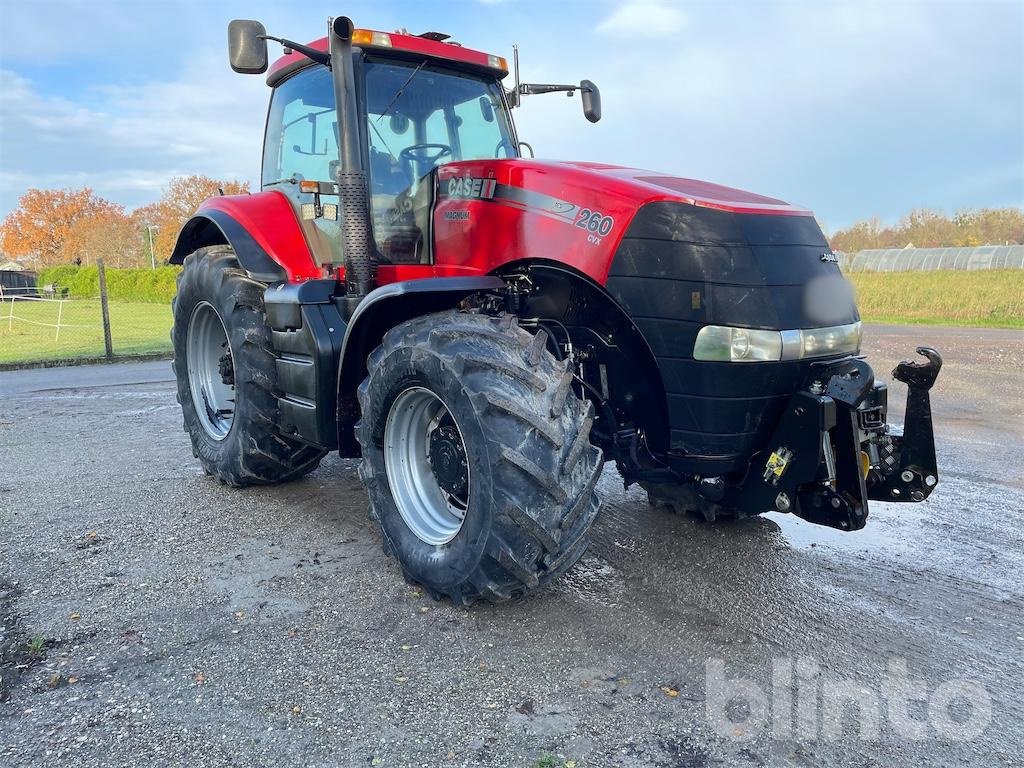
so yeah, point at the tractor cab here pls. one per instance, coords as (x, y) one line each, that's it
(421, 103)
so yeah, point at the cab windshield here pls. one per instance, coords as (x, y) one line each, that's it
(420, 115)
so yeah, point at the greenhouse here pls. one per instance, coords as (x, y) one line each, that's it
(929, 259)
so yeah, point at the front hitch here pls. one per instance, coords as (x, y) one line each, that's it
(832, 450)
(909, 471)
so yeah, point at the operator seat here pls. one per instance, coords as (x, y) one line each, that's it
(388, 176)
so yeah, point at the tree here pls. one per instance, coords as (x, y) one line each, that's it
(992, 225)
(37, 231)
(926, 228)
(863, 234)
(108, 235)
(178, 202)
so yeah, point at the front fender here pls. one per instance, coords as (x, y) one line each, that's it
(380, 311)
(261, 228)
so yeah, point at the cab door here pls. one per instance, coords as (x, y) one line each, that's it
(301, 143)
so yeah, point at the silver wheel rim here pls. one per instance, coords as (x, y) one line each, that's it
(206, 350)
(433, 514)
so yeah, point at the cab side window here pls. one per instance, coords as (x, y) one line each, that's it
(301, 143)
(302, 129)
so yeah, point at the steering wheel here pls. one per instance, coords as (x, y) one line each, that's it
(418, 153)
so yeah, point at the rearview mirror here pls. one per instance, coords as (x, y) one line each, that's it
(591, 100)
(486, 110)
(247, 49)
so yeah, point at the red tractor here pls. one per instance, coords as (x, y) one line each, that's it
(486, 330)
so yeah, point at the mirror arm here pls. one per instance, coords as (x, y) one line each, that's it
(512, 96)
(320, 57)
(532, 89)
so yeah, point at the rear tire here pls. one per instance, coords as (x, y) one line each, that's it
(245, 446)
(530, 469)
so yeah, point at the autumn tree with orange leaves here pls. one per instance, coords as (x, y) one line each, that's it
(178, 202)
(51, 227)
(42, 229)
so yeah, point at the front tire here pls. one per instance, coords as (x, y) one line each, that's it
(507, 444)
(227, 377)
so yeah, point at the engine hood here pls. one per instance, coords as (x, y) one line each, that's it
(650, 186)
(572, 212)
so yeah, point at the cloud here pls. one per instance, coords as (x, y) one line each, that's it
(852, 111)
(644, 17)
(126, 142)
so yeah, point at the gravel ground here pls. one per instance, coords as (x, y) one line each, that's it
(150, 616)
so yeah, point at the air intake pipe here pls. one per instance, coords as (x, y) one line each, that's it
(350, 173)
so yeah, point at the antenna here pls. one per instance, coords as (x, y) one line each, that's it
(515, 67)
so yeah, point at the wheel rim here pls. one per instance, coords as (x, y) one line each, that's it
(211, 371)
(427, 467)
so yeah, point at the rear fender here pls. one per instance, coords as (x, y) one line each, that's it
(262, 230)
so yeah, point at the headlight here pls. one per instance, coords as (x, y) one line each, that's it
(830, 341)
(748, 345)
(717, 342)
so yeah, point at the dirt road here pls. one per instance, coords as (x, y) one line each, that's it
(150, 616)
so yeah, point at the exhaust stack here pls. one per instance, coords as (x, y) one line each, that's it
(350, 173)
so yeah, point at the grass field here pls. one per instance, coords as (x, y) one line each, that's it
(136, 328)
(991, 299)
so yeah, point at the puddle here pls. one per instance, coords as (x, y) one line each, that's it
(594, 581)
(886, 533)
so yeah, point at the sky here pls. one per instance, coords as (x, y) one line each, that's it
(851, 109)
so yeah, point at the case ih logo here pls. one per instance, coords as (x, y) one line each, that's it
(469, 187)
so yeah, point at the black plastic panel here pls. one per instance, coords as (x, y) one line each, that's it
(680, 267)
(709, 303)
(722, 415)
(211, 227)
(695, 377)
(755, 265)
(709, 226)
(307, 333)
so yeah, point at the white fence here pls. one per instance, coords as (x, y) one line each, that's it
(13, 298)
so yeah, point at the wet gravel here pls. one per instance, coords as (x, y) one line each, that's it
(150, 616)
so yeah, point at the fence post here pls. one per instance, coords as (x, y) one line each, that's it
(107, 342)
(60, 316)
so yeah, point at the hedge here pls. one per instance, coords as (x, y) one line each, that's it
(156, 286)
